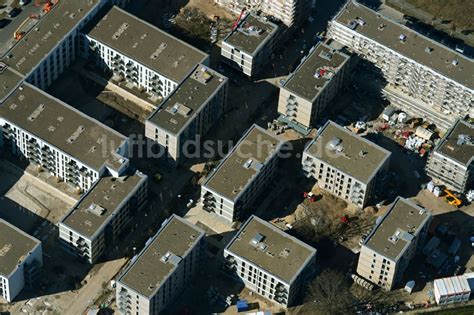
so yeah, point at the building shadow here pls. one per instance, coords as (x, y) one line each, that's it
(406, 170)
(460, 225)
(295, 46)
(61, 271)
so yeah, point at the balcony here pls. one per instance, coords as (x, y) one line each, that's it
(208, 208)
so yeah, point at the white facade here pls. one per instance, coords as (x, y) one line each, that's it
(452, 290)
(451, 163)
(289, 12)
(254, 273)
(26, 265)
(424, 78)
(230, 197)
(392, 243)
(60, 164)
(157, 275)
(249, 51)
(315, 82)
(340, 175)
(138, 53)
(171, 125)
(91, 244)
(127, 68)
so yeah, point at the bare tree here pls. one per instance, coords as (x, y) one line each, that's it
(329, 294)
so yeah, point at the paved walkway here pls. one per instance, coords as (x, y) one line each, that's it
(108, 85)
(88, 293)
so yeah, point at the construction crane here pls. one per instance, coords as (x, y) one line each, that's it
(236, 23)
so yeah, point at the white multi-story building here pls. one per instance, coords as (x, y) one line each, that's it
(189, 112)
(290, 12)
(345, 164)
(102, 214)
(238, 179)
(51, 45)
(313, 84)
(166, 265)
(140, 53)
(425, 78)
(21, 258)
(269, 262)
(58, 138)
(249, 47)
(392, 243)
(453, 290)
(451, 163)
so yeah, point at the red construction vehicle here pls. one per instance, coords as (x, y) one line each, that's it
(310, 196)
(345, 220)
(236, 23)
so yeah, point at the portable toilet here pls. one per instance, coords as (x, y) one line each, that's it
(242, 306)
(402, 117)
(410, 286)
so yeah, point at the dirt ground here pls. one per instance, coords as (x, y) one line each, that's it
(209, 8)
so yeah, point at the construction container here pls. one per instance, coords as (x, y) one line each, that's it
(430, 186)
(452, 290)
(387, 113)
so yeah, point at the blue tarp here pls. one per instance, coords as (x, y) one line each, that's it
(242, 305)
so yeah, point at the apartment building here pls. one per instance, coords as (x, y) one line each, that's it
(139, 53)
(290, 12)
(44, 52)
(21, 258)
(102, 214)
(249, 47)
(166, 266)
(345, 164)
(269, 262)
(59, 139)
(451, 163)
(425, 78)
(392, 243)
(241, 176)
(188, 112)
(313, 84)
(10, 80)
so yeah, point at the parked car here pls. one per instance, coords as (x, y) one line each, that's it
(4, 22)
(14, 12)
(24, 2)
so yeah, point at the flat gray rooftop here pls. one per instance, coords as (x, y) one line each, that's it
(58, 123)
(353, 155)
(439, 59)
(9, 80)
(311, 77)
(278, 253)
(187, 99)
(252, 33)
(147, 44)
(232, 175)
(101, 203)
(149, 271)
(462, 151)
(51, 29)
(398, 227)
(15, 245)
